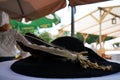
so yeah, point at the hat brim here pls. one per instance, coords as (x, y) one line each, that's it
(59, 69)
(52, 68)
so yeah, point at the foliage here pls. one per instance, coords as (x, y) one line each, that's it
(91, 38)
(79, 36)
(45, 36)
(108, 38)
(117, 44)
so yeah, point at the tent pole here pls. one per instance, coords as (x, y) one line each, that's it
(72, 21)
(22, 12)
(18, 1)
(100, 32)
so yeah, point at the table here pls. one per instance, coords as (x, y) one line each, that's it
(7, 74)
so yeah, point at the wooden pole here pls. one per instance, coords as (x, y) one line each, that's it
(100, 32)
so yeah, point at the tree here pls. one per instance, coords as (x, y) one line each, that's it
(79, 36)
(45, 36)
(91, 38)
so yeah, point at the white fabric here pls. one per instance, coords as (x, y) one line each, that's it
(4, 19)
(7, 74)
(89, 23)
(8, 42)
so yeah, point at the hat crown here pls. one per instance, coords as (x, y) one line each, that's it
(4, 18)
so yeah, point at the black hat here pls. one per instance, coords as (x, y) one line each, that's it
(48, 65)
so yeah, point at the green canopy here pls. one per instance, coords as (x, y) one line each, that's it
(23, 28)
(47, 21)
(44, 22)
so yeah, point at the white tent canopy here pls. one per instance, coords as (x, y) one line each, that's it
(102, 21)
